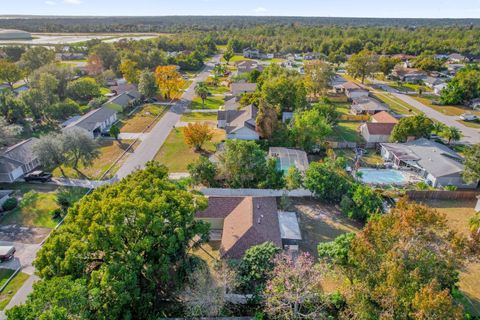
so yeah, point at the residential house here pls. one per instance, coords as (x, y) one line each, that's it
(453, 68)
(351, 90)
(367, 106)
(251, 53)
(240, 223)
(289, 158)
(18, 160)
(239, 88)
(95, 122)
(439, 165)
(239, 124)
(68, 56)
(431, 82)
(246, 66)
(374, 132)
(474, 104)
(456, 58)
(232, 103)
(123, 101)
(437, 89)
(310, 56)
(383, 117)
(410, 75)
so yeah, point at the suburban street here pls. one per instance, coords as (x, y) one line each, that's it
(152, 142)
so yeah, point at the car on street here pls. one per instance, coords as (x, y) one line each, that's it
(38, 176)
(6, 253)
(468, 117)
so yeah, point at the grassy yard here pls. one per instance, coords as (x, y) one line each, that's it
(347, 131)
(110, 150)
(447, 110)
(12, 288)
(208, 252)
(471, 124)
(212, 102)
(198, 116)
(236, 58)
(371, 158)
(142, 118)
(33, 210)
(396, 105)
(176, 155)
(458, 213)
(218, 89)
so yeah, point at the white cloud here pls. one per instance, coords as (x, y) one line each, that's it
(260, 10)
(50, 3)
(73, 1)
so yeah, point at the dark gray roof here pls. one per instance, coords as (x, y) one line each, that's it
(90, 120)
(241, 118)
(243, 87)
(20, 154)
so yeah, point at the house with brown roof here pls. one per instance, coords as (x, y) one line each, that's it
(245, 66)
(410, 75)
(351, 90)
(383, 117)
(379, 129)
(243, 222)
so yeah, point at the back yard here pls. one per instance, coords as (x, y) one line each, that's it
(458, 213)
(176, 155)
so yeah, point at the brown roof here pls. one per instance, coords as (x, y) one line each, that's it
(383, 129)
(248, 222)
(384, 117)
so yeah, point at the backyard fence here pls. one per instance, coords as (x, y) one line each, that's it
(352, 117)
(342, 145)
(442, 195)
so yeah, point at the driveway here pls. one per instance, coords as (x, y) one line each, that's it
(150, 145)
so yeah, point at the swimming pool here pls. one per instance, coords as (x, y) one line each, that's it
(383, 176)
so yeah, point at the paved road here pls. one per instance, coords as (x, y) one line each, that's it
(150, 145)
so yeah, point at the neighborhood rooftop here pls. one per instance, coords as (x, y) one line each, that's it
(90, 120)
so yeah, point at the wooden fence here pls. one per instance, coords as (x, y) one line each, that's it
(443, 195)
(352, 117)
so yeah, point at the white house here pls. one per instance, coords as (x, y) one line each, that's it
(95, 122)
(18, 160)
(439, 165)
(239, 124)
(437, 89)
(374, 132)
(251, 53)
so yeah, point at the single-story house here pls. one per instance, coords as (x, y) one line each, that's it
(431, 82)
(251, 53)
(239, 124)
(367, 105)
(123, 101)
(410, 75)
(232, 103)
(453, 68)
(239, 88)
(351, 90)
(18, 160)
(384, 117)
(244, 222)
(95, 122)
(248, 66)
(439, 165)
(437, 89)
(4, 196)
(374, 132)
(289, 158)
(456, 58)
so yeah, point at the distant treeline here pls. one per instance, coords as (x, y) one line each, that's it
(207, 23)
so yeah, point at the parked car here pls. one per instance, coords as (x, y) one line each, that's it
(38, 176)
(468, 117)
(6, 253)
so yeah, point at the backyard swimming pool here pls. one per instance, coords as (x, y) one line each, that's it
(384, 176)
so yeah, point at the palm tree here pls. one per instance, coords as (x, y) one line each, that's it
(438, 127)
(452, 134)
(201, 90)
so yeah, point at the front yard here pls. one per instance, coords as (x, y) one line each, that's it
(140, 120)
(447, 110)
(176, 155)
(396, 105)
(7, 294)
(212, 102)
(458, 213)
(110, 150)
(198, 116)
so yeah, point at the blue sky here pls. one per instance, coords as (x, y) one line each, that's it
(334, 8)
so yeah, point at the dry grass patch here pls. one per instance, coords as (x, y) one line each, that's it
(140, 120)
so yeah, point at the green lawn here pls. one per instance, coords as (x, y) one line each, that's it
(12, 288)
(447, 110)
(141, 119)
(176, 155)
(396, 105)
(211, 102)
(471, 124)
(347, 131)
(198, 116)
(110, 150)
(217, 90)
(236, 58)
(34, 210)
(4, 275)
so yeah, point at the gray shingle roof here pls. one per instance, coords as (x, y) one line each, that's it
(21, 153)
(90, 120)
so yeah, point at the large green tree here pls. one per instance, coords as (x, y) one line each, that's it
(83, 90)
(310, 128)
(327, 181)
(35, 57)
(418, 126)
(129, 242)
(464, 87)
(362, 65)
(471, 173)
(10, 73)
(147, 85)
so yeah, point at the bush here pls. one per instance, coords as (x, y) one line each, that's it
(10, 204)
(56, 213)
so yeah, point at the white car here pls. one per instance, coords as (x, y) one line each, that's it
(468, 117)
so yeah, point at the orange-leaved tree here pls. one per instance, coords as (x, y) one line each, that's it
(169, 80)
(197, 134)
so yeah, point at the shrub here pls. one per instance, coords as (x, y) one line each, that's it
(10, 204)
(56, 213)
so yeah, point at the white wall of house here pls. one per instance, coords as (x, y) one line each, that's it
(356, 94)
(373, 138)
